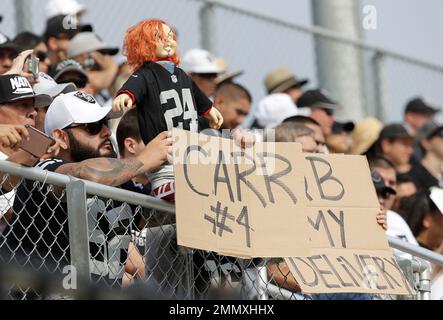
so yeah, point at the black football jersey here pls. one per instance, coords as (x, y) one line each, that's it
(165, 100)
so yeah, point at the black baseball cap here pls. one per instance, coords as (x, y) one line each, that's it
(16, 88)
(379, 184)
(70, 65)
(6, 43)
(339, 127)
(394, 131)
(61, 24)
(317, 98)
(420, 106)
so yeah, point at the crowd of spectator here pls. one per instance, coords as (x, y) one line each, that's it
(71, 101)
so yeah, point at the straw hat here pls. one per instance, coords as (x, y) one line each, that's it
(280, 80)
(365, 133)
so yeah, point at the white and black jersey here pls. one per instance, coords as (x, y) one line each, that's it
(165, 100)
(38, 233)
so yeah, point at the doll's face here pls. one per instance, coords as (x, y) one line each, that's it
(166, 45)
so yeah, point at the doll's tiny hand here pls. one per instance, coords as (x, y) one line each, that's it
(121, 102)
(215, 118)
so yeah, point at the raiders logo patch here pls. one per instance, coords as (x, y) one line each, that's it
(85, 97)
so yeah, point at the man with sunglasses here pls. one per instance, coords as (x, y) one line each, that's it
(27, 40)
(71, 71)
(79, 123)
(428, 172)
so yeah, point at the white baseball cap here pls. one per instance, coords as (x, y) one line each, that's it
(47, 85)
(76, 107)
(85, 42)
(64, 7)
(200, 61)
(275, 108)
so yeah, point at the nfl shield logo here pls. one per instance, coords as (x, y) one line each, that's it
(174, 78)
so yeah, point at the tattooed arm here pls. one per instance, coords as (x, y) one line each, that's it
(111, 172)
(114, 172)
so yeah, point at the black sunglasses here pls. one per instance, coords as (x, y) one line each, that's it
(42, 55)
(329, 112)
(438, 134)
(92, 128)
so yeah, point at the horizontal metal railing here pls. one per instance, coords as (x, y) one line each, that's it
(151, 202)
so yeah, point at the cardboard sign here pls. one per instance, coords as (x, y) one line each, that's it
(349, 251)
(271, 200)
(244, 203)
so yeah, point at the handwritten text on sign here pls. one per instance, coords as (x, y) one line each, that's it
(318, 211)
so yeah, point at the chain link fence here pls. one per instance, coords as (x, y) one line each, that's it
(83, 235)
(256, 44)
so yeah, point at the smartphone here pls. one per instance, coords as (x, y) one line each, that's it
(38, 142)
(33, 62)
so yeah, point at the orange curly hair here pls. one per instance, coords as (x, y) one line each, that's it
(140, 42)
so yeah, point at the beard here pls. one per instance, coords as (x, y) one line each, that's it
(80, 152)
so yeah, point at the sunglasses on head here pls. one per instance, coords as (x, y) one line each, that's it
(92, 128)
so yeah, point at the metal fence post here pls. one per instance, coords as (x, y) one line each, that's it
(208, 27)
(379, 85)
(424, 286)
(78, 228)
(23, 16)
(262, 292)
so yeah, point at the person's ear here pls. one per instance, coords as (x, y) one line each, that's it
(219, 101)
(62, 137)
(130, 144)
(385, 145)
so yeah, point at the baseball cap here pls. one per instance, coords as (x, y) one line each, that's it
(395, 131)
(339, 127)
(47, 85)
(317, 98)
(282, 79)
(6, 43)
(15, 88)
(430, 128)
(64, 24)
(63, 7)
(379, 184)
(273, 109)
(200, 61)
(420, 106)
(85, 42)
(437, 197)
(76, 107)
(69, 66)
